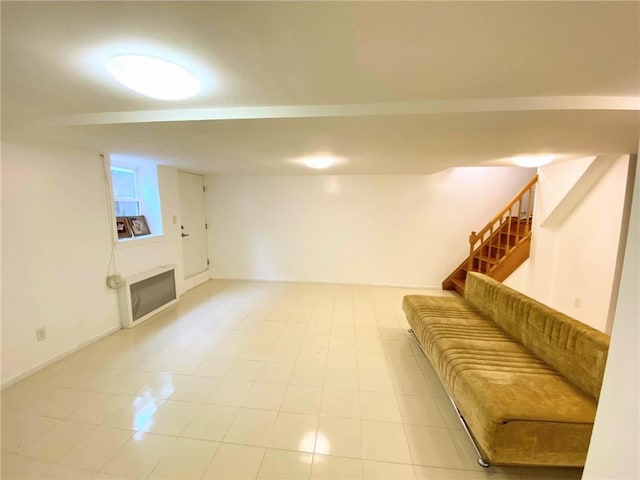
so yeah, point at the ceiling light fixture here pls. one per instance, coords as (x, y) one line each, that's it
(533, 161)
(321, 161)
(153, 77)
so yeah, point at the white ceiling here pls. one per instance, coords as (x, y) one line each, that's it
(394, 87)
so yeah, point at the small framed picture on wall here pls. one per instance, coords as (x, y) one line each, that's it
(123, 227)
(139, 225)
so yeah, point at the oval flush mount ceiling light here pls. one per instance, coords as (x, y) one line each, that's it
(321, 161)
(533, 161)
(154, 77)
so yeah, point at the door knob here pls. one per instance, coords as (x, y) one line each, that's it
(184, 235)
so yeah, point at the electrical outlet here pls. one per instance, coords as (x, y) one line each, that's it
(41, 334)
(576, 302)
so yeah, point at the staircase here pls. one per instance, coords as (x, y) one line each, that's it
(502, 245)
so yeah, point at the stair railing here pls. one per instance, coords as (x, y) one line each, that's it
(514, 222)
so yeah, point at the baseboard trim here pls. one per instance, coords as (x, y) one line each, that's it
(318, 282)
(60, 356)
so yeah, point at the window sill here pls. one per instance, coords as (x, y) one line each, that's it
(139, 241)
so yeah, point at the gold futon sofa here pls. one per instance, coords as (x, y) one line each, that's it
(524, 377)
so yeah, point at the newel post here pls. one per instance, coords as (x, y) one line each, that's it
(472, 241)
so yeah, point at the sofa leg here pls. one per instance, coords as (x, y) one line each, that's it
(481, 460)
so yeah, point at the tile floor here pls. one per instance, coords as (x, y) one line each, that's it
(247, 380)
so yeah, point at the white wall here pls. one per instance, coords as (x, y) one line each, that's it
(384, 229)
(55, 250)
(615, 443)
(56, 245)
(573, 261)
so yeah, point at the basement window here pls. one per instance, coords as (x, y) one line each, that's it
(126, 190)
(136, 194)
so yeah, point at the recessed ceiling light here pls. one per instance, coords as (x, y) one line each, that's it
(321, 161)
(533, 161)
(154, 77)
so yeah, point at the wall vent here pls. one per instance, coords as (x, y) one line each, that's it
(145, 294)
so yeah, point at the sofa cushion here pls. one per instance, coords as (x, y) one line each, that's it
(574, 349)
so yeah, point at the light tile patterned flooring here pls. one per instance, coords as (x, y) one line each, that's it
(247, 380)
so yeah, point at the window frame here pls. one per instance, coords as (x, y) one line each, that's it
(137, 185)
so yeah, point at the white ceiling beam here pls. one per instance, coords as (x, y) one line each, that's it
(481, 105)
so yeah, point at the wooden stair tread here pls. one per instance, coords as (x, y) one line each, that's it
(492, 260)
(458, 285)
